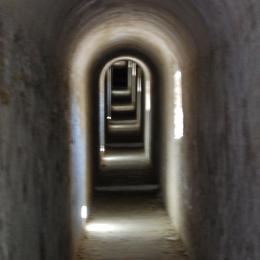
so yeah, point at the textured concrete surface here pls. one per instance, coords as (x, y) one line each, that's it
(34, 181)
(130, 227)
(213, 188)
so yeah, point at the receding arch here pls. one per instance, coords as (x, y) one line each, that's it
(171, 50)
(140, 160)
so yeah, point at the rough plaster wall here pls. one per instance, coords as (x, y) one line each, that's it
(175, 188)
(34, 183)
(222, 130)
(224, 135)
(78, 173)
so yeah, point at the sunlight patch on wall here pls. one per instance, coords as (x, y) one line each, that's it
(84, 212)
(178, 111)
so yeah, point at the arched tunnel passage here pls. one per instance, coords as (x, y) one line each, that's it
(145, 172)
(125, 124)
(131, 134)
(209, 177)
(125, 179)
(156, 54)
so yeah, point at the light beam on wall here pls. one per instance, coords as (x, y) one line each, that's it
(147, 96)
(84, 212)
(102, 148)
(178, 111)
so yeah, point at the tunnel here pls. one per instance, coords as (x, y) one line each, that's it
(129, 129)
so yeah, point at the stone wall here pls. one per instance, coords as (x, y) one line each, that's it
(224, 135)
(34, 183)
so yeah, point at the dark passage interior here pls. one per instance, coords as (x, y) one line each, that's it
(129, 129)
(125, 124)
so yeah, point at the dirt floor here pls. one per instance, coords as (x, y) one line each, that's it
(124, 227)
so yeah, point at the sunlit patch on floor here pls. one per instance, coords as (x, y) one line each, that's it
(130, 227)
(102, 227)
